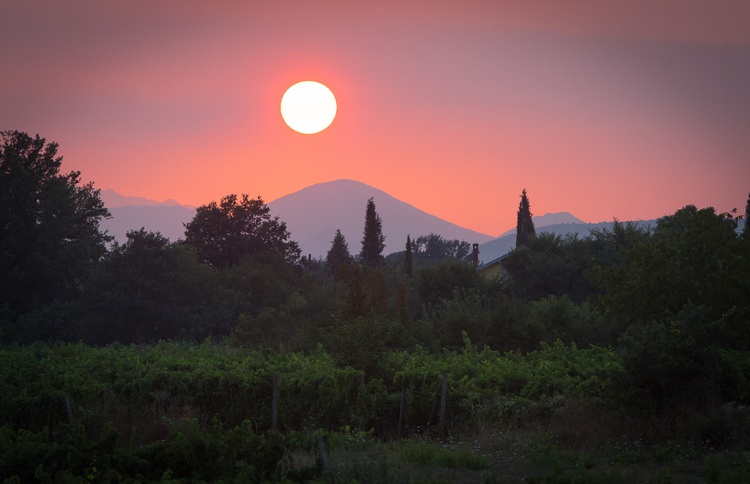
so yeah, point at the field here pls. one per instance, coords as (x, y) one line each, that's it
(179, 412)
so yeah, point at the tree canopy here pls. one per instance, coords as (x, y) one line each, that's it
(49, 233)
(224, 233)
(433, 248)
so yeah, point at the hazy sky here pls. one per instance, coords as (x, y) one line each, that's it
(628, 109)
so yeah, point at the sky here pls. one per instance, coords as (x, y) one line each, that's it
(627, 109)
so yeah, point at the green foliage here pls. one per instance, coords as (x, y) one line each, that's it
(552, 318)
(188, 453)
(49, 238)
(353, 303)
(439, 282)
(149, 289)
(551, 265)
(691, 258)
(678, 296)
(430, 454)
(224, 233)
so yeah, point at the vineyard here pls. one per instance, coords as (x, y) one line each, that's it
(206, 412)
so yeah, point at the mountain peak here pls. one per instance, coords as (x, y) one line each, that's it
(314, 213)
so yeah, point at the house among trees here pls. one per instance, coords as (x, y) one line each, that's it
(492, 268)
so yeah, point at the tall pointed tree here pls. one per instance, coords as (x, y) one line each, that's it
(373, 241)
(338, 255)
(408, 263)
(746, 230)
(524, 226)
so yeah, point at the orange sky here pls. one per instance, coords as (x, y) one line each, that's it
(626, 109)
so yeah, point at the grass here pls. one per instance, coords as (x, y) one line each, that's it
(493, 454)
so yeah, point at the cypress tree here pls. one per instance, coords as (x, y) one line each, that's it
(373, 241)
(524, 226)
(408, 263)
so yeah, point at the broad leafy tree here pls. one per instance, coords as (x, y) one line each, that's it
(690, 259)
(551, 265)
(679, 298)
(524, 225)
(338, 255)
(373, 241)
(433, 248)
(49, 236)
(149, 289)
(225, 232)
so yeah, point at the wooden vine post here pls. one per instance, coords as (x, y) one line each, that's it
(275, 402)
(402, 410)
(443, 401)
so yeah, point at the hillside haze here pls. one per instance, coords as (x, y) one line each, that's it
(313, 215)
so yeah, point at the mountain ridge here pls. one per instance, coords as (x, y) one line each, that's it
(313, 214)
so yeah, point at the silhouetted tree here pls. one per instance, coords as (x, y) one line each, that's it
(524, 226)
(746, 230)
(49, 236)
(224, 233)
(338, 255)
(433, 248)
(373, 241)
(408, 263)
(149, 289)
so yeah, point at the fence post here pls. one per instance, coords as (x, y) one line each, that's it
(402, 410)
(68, 407)
(360, 400)
(275, 402)
(325, 462)
(443, 398)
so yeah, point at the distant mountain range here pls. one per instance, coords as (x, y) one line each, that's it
(313, 215)
(112, 199)
(505, 243)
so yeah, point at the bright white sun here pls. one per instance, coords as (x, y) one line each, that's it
(308, 107)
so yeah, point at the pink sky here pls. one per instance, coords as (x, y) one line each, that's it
(626, 109)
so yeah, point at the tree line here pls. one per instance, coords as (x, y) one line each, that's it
(673, 301)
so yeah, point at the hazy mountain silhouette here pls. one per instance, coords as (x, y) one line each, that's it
(505, 243)
(313, 215)
(550, 219)
(112, 199)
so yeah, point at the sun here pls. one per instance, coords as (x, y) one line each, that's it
(308, 107)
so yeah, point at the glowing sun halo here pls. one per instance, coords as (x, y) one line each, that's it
(308, 107)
